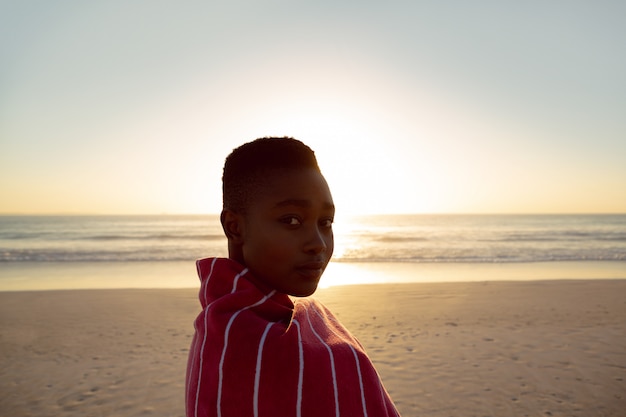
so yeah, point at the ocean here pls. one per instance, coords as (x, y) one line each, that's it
(27, 243)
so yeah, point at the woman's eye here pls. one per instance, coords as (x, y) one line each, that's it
(291, 221)
(327, 223)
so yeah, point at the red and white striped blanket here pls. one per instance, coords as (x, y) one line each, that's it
(256, 353)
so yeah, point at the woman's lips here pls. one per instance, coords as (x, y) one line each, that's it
(311, 270)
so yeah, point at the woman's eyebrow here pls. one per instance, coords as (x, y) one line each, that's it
(302, 203)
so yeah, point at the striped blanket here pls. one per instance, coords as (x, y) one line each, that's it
(257, 353)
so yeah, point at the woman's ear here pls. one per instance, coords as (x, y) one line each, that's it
(232, 224)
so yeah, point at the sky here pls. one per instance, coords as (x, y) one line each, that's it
(130, 107)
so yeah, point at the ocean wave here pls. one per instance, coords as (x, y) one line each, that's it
(484, 259)
(432, 239)
(399, 239)
(65, 256)
(107, 237)
(165, 256)
(161, 236)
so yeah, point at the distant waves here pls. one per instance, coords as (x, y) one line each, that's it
(383, 238)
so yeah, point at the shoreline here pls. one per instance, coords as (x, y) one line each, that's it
(33, 276)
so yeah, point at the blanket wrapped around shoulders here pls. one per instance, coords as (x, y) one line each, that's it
(257, 353)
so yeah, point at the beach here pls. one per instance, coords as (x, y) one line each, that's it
(514, 348)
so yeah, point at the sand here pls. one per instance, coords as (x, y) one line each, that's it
(536, 348)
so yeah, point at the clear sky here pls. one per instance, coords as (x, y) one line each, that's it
(411, 106)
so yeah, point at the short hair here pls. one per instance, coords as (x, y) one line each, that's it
(249, 165)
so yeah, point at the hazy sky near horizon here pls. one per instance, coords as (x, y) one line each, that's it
(411, 106)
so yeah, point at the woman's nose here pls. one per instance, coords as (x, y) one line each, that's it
(317, 242)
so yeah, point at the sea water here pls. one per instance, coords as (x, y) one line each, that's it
(42, 251)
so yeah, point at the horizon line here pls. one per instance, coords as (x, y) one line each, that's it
(86, 214)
